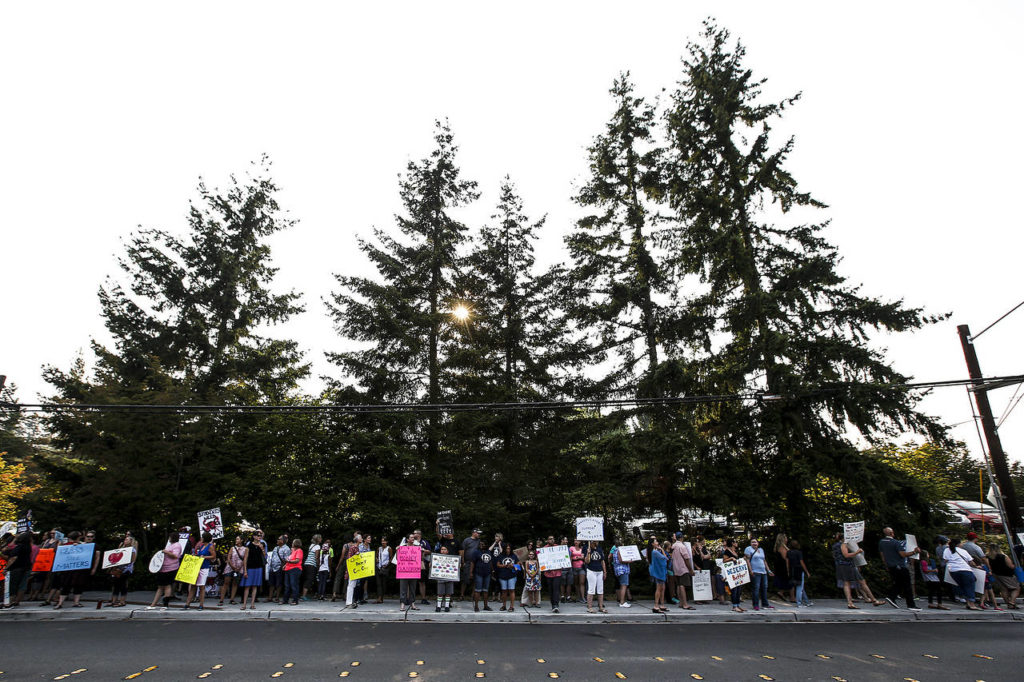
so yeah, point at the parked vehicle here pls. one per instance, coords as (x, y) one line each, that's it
(978, 513)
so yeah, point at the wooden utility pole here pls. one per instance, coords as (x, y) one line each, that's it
(988, 426)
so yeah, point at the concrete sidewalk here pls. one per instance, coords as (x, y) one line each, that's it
(824, 611)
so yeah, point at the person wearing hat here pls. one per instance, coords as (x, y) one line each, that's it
(465, 550)
(977, 553)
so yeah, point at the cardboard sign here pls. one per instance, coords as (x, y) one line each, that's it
(553, 558)
(25, 523)
(911, 542)
(522, 553)
(979, 579)
(210, 521)
(590, 528)
(44, 560)
(188, 572)
(408, 560)
(737, 574)
(858, 560)
(445, 525)
(361, 566)
(853, 531)
(73, 557)
(118, 557)
(444, 567)
(629, 553)
(157, 562)
(702, 586)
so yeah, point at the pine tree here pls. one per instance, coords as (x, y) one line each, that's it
(787, 324)
(186, 330)
(405, 317)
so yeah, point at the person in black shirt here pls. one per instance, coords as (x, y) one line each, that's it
(480, 571)
(505, 568)
(596, 574)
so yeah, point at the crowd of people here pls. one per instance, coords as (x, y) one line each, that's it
(288, 571)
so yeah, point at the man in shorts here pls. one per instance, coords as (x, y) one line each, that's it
(480, 572)
(468, 545)
(682, 568)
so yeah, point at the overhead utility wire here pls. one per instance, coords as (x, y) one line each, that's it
(1004, 316)
(396, 408)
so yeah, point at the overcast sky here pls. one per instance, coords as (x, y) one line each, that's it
(909, 128)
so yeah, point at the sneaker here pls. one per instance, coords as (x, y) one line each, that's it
(554, 610)
(769, 606)
(424, 602)
(914, 608)
(624, 605)
(502, 608)
(674, 600)
(488, 608)
(757, 608)
(437, 609)
(151, 608)
(446, 609)
(476, 608)
(891, 603)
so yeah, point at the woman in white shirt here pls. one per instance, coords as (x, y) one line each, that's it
(384, 555)
(958, 563)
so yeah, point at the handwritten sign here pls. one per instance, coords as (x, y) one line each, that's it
(408, 562)
(188, 572)
(73, 557)
(44, 560)
(702, 586)
(157, 562)
(361, 566)
(629, 553)
(590, 528)
(118, 557)
(858, 559)
(444, 567)
(736, 574)
(553, 558)
(853, 531)
(445, 525)
(211, 521)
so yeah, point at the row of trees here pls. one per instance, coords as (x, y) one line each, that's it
(698, 267)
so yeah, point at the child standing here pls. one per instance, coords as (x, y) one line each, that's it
(798, 573)
(930, 574)
(532, 571)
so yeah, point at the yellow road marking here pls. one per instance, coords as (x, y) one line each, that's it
(620, 676)
(770, 658)
(765, 677)
(217, 667)
(658, 658)
(824, 656)
(480, 661)
(909, 679)
(61, 677)
(929, 656)
(80, 670)
(343, 674)
(278, 673)
(716, 658)
(288, 665)
(355, 663)
(599, 660)
(877, 656)
(203, 676)
(838, 679)
(149, 669)
(696, 676)
(541, 660)
(414, 674)
(419, 662)
(130, 677)
(481, 674)
(553, 676)
(987, 658)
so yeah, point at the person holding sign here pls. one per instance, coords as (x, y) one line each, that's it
(409, 570)
(73, 580)
(119, 574)
(446, 585)
(848, 573)
(172, 552)
(19, 565)
(730, 556)
(205, 550)
(596, 574)
(959, 563)
(620, 568)
(894, 552)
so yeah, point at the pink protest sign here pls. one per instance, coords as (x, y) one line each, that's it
(408, 563)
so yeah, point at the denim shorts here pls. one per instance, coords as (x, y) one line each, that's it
(507, 584)
(623, 579)
(481, 583)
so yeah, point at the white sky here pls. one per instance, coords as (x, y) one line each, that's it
(112, 111)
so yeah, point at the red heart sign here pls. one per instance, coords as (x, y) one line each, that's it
(116, 557)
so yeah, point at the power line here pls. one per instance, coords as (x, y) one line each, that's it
(1004, 315)
(421, 408)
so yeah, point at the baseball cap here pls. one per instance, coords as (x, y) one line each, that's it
(972, 535)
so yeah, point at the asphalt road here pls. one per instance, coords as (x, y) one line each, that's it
(159, 650)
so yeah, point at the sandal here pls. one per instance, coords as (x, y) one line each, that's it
(690, 608)
(851, 606)
(603, 610)
(590, 610)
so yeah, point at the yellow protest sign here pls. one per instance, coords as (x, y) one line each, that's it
(361, 566)
(188, 572)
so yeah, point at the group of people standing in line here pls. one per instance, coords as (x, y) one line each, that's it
(288, 572)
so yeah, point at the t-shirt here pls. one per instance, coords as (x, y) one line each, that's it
(757, 564)
(481, 560)
(505, 566)
(21, 557)
(576, 556)
(794, 557)
(325, 559)
(171, 563)
(957, 561)
(294, 560)
(595, 560)
(619, 566)
(278, 555)
(890, 549)
(311, 557)
(468, 545)
(680, 554)
(973, 550)
(453, 548)
(255, 558)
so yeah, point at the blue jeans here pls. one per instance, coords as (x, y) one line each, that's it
(801, 595)
(291, 585)
(759, 585)
(965, 581)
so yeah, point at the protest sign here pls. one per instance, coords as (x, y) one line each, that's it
(188, 572)
(444, 567)
(629, 553)
(118, 557)
(44, 560)
(737, 574)
(445, 525)
(522, 553)
(408, 560)
(1020, 538)
(25, 523)
(911, 542)
(553, 558)
(858, 560)
(590, 528)
(702, 586)
(73, 557)
(157, 562)
(210, 521)
(853, 531)
(361, 565)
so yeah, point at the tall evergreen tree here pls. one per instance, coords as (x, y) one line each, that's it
(404, 315)
(186, 329)
(788, 324)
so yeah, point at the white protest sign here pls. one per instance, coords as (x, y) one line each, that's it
(858, 559)
(737, 574)
(629, 553)
(702, 586)
(911, 542)
(118, 557)
(553, 558)
(1020, 538)
(590, 528)
(211, 521)
(444, 567)
(157, 562)
(853, 531)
